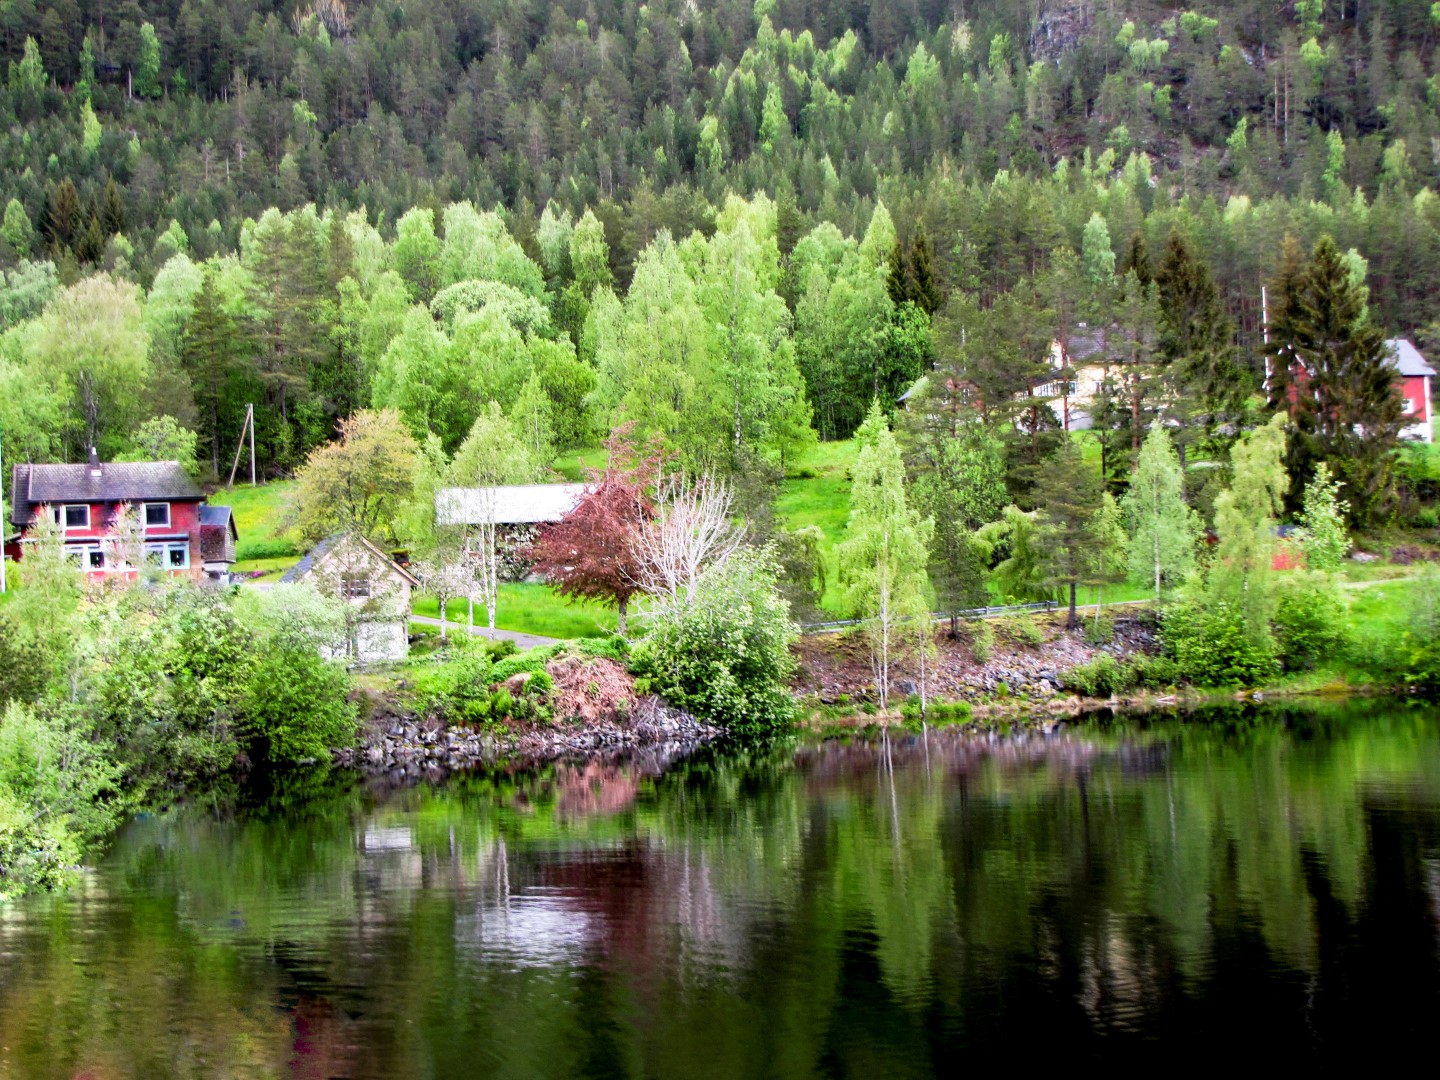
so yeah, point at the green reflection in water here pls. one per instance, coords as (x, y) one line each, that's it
(871, 909)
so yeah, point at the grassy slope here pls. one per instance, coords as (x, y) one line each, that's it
(260, 519)
(816, 491)
(532, 609)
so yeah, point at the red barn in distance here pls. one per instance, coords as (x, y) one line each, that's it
(182, 533)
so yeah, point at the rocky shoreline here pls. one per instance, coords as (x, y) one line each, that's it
(413, 746)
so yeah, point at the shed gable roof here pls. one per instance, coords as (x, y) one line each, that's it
(317, 555)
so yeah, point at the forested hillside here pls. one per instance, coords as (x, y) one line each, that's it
(732, 223)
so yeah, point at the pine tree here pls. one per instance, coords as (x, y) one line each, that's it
(1068, 494)
(925, 290)
(112, 209)
(210, 352)
(62, 215)
(1328, 369)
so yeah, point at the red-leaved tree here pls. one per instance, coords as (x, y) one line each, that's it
(590, 552)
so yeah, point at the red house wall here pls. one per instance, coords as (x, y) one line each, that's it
(1418, 392)
(184, 521)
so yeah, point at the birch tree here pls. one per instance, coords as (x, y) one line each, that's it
(1245, 519)
(1163, 530)
(882, 565)
(491, 455)
(690, 529)
(1322, 522)
(446, 578)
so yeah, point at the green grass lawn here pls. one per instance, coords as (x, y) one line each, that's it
(816, 491)
(532, 609)
(575, 465)
(260, 520)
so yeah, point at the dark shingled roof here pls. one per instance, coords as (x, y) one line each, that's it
(305, 565)
(215, 522)
(117, 481)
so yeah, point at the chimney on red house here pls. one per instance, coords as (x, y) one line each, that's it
(94, 463)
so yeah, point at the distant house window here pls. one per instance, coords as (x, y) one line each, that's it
(157, 515)
(96, 558)
(355, 587)
(168, 556)
(76, 516)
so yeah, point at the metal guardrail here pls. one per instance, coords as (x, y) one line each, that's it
(939, 616)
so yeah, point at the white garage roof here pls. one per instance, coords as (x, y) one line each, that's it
(517, 504)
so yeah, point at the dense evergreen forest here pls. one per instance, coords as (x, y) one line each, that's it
(732, 222)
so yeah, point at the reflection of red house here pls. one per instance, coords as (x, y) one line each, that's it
(181, 533)
(1412, 380)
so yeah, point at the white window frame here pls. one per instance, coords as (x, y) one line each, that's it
(355, 586)
(161, 554)
(62, 516)
(145, 515)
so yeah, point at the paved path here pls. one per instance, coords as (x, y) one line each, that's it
(1377, 581)
(524, 641)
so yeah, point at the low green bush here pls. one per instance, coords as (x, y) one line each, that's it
(1309, 622)
(1210, 646)
(1153, 672)
(265, 549)
(611, 647)
(725, 654)
(982, 640)
(1103, 676)
(1100, 631)
(532, 661)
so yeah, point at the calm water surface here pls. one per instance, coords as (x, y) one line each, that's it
(1239, 886)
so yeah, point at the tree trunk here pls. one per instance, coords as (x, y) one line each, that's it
(620, 617)
(1072, 622)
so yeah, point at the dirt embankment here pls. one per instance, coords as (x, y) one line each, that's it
(1029, 659)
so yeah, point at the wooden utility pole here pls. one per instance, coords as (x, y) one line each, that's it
(249, 426)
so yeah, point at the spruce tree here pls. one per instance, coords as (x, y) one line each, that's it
(1205, 384)
(112, 209)
(1328, 370)
(1068, 494)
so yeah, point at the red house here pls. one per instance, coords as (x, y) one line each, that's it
(1414, 375)
(182, 534)
(1412, 382)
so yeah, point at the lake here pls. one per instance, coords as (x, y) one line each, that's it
(1237, 884)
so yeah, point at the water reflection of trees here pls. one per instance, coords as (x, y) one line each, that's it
(785, 906)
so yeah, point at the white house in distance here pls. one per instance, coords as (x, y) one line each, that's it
(376, 591)
(517, 511)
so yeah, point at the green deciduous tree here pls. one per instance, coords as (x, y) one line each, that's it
(1163, 529)
(1241, 570)
(1322, 533)
(359, 483)
(883, 559)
